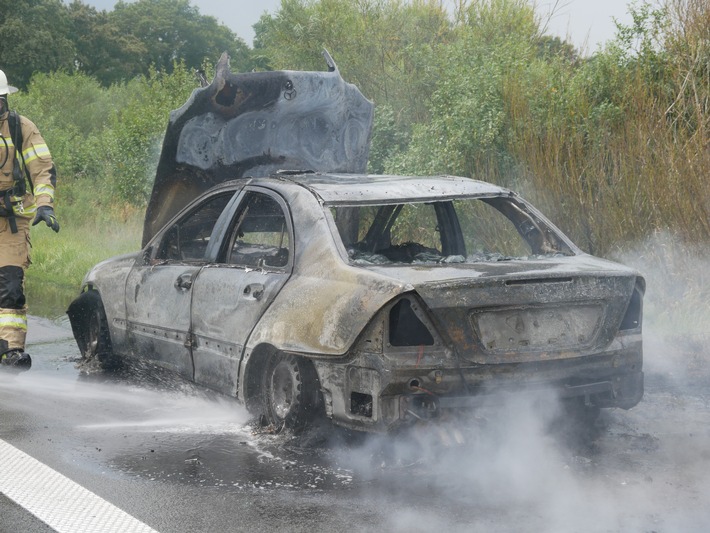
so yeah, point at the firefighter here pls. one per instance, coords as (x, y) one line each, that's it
(27, 181)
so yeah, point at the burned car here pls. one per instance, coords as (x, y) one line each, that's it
(374, 300)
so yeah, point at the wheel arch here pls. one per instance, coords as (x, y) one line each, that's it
(83, 313)
(79, 314)
(252, 368)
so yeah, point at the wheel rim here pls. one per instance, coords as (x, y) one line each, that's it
(283, 390)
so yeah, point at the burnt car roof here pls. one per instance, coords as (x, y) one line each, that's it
(359, 188)
(254, 123)
(336, 189)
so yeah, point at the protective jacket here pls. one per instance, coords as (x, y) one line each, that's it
(17, 209)
(36, 157)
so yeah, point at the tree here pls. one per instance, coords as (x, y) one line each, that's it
(174, 30)
(388, 48)
(494, 45)
(35, 37)
(102, 49)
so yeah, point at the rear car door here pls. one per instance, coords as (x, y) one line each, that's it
(231, 294)
(159, 290)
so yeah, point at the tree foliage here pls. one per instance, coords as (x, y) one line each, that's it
(48, 35)
(388, 48)
(614, 145)
(174, 30)
(35, 37)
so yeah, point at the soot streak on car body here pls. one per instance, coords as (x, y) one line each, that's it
(376, 300)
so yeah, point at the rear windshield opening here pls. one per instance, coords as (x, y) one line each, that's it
(469, 230)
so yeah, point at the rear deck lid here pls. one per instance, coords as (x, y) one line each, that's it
(519, 311)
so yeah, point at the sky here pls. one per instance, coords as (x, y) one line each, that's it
(587, 23)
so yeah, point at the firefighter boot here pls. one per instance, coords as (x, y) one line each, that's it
(15, 357)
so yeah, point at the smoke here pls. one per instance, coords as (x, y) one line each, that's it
(524, 466)
(676, 305)
(521, 464)
(159, 402)
(512, 472)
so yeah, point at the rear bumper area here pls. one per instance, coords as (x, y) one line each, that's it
(366, 393)
(623, 391)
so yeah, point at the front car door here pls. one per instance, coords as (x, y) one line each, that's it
(159, 290)
(230, 295)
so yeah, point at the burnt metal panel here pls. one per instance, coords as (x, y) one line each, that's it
(337, 189)
(254, 123)
(326, 302)
(496, 321)
(534, 328)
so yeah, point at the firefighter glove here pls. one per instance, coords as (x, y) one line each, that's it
(46, 214)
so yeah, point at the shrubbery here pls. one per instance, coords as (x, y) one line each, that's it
(613, 146)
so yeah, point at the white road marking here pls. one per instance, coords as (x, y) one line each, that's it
(63, 505)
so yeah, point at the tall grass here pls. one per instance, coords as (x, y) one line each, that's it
(618, 168)
(60, 260)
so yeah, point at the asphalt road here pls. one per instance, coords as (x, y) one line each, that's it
(136, 451)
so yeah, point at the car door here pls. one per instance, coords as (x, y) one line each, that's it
(230, 295)
(159, 290)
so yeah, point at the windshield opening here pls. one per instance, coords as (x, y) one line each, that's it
(467, 230)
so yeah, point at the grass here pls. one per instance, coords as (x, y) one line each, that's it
(60, 260)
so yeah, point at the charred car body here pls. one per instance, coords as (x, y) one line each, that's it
(377, 300)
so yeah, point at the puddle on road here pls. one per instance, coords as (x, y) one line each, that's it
(237, 461)
(177, 432)
(646, 470)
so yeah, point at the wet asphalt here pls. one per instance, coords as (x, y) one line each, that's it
(182, 459)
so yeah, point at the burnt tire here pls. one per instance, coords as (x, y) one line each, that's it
(578, 422)
(290, 392)
(582, 413)
(90, 328)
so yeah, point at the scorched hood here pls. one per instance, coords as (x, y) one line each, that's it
(252, 124)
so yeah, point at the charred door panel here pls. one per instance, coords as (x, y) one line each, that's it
(230, 296)
(158, 310)
(227, 303)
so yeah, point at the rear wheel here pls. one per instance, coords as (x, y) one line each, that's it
(579, 421)
(582, 412)
(290, 391)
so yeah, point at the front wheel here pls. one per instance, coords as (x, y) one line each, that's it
(90, 327)
(290, 391)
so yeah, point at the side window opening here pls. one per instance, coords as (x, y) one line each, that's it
(402, 233)
(187, 239)
(261, 236)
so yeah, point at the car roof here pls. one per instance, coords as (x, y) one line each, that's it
(369, 188)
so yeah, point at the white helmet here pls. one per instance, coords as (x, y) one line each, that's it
(4, 87)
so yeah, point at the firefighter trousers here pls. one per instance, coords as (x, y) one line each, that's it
(14, 260)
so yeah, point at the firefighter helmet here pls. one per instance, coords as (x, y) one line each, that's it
(4, 87)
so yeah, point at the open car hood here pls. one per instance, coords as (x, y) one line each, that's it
(252, 124)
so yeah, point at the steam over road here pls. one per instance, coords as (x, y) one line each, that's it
(162, 455)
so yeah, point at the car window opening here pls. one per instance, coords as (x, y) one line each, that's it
(261, 236)
(187, 239)
(452, 231)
